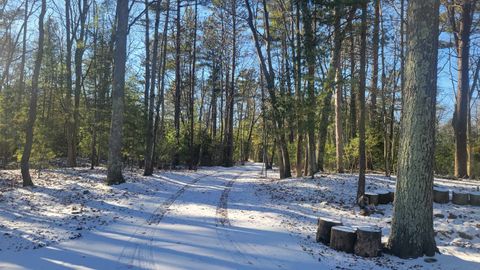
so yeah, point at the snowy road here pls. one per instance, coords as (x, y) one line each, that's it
(214, 218)
(212, 221)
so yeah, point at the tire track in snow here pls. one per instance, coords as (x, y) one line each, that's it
(223, 224)
(138, 258)
(222, 206)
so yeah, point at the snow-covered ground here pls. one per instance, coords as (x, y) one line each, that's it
(303, 200)
(214, 218)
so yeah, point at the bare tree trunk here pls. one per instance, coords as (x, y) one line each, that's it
(353, 82)
(178, 89)
(213, 101)
(470, 149)
(24, 53)
(70, 125)
(338, 121)
(309, 43)
(298, 88)
(32, 112)
(248, 143)
(402, 50)
(306, 163)
(462, 41)
(361, 103)
(228, 142)
(223, 101)
(269, 74)
(146, 92)
(79, 51)
(151, 103)
(329, 87)
(299, 153)
(114, 173)
(289, 69)
(385, 116)
(412, 232)
(192, 90)
(375, 40)
(470, 138)
(159, 117)
(201, 129)
(93, 146)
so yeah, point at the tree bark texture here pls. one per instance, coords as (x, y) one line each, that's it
(412, 232)
(114, 172)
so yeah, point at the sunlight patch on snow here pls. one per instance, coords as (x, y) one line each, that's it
(68, 265)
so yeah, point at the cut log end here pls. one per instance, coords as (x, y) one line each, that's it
(343, 238)
(460, 198)
(440, 195)
(324, 228)
(372, 198)
(368, 242)
(475, 198)
(384, 197)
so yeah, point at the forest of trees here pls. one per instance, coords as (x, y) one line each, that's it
(307, 86)
(195, 94)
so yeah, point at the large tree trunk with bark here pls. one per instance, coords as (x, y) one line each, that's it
(114, 173)
(412, 224)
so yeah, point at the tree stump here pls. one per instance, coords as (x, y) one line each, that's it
(343, 238)
(383, 196)
(368, 242)
(440, 195)
(475, 198)
(460, 198)
(324, 226)
(372, 198)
